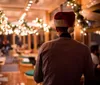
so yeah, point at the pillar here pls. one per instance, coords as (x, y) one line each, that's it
(87, 39)
(77, 33)
(29, 42)
(35, 43)
(46, 20)
(46, 36)
(13, 39)
(24, 40)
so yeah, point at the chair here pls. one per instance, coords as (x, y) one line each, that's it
(25, 66)
(29, 77)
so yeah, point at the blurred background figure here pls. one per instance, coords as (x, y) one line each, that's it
(6, 46)
(95, 54)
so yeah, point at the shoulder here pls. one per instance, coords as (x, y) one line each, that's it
(47, 45)
(49, 42)
(82, 46)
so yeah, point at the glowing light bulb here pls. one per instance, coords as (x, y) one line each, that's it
(85, 34)
(84, 29)
(82, 32)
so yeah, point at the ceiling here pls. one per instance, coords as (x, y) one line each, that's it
(14, 9)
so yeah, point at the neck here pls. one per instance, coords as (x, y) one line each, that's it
(65, 35)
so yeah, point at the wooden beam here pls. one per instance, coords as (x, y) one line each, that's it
(78, 1)
(93, 29)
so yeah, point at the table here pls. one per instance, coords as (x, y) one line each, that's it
(2, 77)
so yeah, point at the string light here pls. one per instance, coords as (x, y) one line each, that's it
(78, 24)
(37, 33)
(22, 28)
(78, 12)
(82, 32)
(84, 29)
(85, 34)
(29, 5)
(5, 27)
(30, 2)
(79, 21)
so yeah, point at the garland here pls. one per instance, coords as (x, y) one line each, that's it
(5, 26)
(22, 28)
(79, 18)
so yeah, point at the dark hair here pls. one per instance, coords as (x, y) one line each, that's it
(94, 48)
(62, 29)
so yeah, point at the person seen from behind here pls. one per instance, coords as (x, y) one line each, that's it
(62, 61)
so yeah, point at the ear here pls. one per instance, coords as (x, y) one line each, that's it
(70, 29)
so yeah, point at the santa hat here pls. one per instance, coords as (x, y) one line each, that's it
(64, 19)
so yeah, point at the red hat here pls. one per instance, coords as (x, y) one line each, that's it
(64, 19)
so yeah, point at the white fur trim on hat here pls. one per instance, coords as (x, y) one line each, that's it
(60, 23)
(70, 29)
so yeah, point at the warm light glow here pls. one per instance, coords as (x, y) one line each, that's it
(78, 24)
(72, 7)
(97, 32)
(71, 4)
(29, 5)
(26, 9)
(47, 30)
(75, 5)
(79, 21)
(68, 5)
(68, 2)
(85, 34)
(0, 32)
(82, 32)
(30, 2)
(84, 29)
(37, 33)
(37, 19)
(23, 16)
(44, 25)
(41, 20)
(87, 21)
(34, 31)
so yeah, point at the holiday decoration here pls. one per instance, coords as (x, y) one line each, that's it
(21, 28)
(78, 12)
(5, 26)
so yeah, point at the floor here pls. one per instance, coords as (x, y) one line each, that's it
(11, 73)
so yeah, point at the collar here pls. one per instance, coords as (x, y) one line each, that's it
(65, 35)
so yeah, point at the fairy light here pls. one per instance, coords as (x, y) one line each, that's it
(78, 24)
(37, 33)
(41, 20)
(37, 19)
(68, 5)
(34, 31)
(87, 21)
(79, 21)
(78, 12)
(29, 5)
(30, 2)
(68, 2)
(75, 5)
(72, 7)
(5, 27)
(71, 4)
(84, 29)
(85, 34)
(82, 32)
